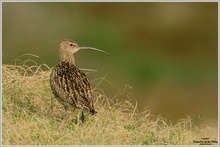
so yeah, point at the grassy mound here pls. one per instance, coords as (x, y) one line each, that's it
(31, 116)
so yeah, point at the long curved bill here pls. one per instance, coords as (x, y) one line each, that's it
(91, 48)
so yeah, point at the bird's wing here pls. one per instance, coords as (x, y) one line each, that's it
(74, 87)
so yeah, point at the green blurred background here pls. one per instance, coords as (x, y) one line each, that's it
(167, 52)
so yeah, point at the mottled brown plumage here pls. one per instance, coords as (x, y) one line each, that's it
(70, 85)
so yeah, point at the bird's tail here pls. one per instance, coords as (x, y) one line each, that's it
(92, 111)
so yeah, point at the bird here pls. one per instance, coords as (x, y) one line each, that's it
(69, 85)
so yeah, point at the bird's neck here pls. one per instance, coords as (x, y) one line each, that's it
(67, 58)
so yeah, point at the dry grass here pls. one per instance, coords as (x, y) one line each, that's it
(31, 116)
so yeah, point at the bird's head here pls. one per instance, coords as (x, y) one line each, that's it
(69, 47)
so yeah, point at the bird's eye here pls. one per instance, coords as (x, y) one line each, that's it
(72, 44)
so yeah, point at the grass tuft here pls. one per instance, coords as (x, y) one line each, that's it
(31, 116)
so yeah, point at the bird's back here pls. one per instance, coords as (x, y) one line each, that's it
(71, 87)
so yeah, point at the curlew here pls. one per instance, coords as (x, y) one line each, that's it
(70, 85)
